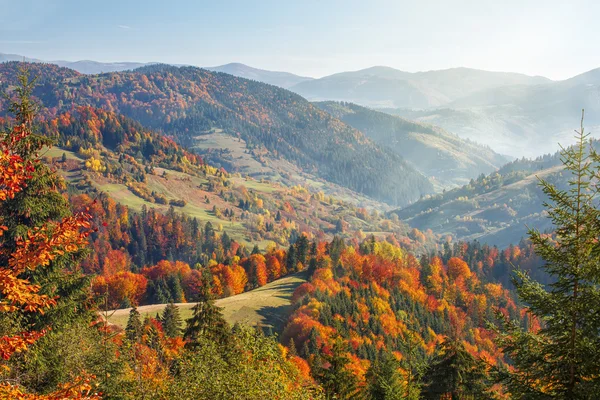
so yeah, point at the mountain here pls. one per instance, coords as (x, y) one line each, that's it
(281, 79)
(189, 102)
(445, 158)
(95, 67)
(496, 209)
(520, 120)
(83, 66)
(388, 87)
(15, 57)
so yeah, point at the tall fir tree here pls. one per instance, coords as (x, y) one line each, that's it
(38, 203)
(207, 320)
(562, 359)
(134, 328)
(171, 320)
(455, 374)
(384, 381)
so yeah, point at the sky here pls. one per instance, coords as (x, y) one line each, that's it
(556, 39)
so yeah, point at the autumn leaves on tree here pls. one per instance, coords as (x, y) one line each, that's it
(33, 240)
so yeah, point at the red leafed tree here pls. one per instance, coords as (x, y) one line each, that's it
(37, 248)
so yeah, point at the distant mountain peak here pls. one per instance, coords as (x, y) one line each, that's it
(277, 78)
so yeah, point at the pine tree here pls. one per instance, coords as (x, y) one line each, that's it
(134, 328)
(562, 359)
(384, 381)
(454, 373)
(37, 204)
(337, 381)
(171, 320)
(207, 320)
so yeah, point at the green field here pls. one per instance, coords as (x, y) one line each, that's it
(267, 306)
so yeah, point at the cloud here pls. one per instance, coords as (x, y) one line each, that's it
(126, 27)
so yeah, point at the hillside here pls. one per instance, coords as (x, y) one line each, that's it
(388, 87)
(277, 78)
(108, 153)
(188, 102)
(267, 306)
(496, 209)
(445, 158)
(520, 120)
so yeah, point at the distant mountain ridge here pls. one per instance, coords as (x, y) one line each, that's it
(277, 78)
(82, 66)
(389, 87)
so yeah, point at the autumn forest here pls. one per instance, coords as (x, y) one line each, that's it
(175, 232)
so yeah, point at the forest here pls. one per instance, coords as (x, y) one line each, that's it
(403, 314)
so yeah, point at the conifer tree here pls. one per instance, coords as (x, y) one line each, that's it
(207, 320)
(337, 380)
(134, 328)
(37, 204)
(171, 320)
(384, 381)
(454, 373)
(562, 359)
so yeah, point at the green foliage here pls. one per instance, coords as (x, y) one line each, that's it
(338, 382)
(562, 359)
(251, 366)
(384, 381)
(171, 320)
(454, 372)
(134, 328)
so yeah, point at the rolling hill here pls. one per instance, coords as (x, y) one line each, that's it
(445, 158)
(496, 209)
(267, 306)
(388, 87)
(188, 102)
(277, 78)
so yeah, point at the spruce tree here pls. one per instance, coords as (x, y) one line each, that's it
(207, 320)
(454, 373)
(38, 203)
(134, 328)
(337, 380)
(562, 359)
(171, 320)
(384, 381)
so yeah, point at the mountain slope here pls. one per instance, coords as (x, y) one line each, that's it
(187, 102)
(277, 78)
(494, 209)
(387, 87)
(445, 158)
(520, 120)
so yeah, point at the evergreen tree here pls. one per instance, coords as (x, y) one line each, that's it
(384, 381)
(454, 373)
(171, 320)
(207, 320)
(134, 328)
(337, 381)
(37, 204)
(562, 359)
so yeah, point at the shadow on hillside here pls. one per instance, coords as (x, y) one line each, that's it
(274, 318)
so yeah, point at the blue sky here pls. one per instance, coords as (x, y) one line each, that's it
(556, 39)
